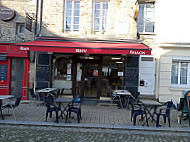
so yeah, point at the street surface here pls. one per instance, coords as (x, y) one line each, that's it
(59, 134)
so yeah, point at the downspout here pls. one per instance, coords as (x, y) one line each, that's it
(41, 11)
(37, 33)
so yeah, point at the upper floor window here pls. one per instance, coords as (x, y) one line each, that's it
(100, 15)
(179, 75)
(72, 16)
(20, 28)
(145, 19)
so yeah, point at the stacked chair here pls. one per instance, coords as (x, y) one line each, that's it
(184, 106)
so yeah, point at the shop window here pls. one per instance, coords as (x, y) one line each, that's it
(112, 74)
(145, 19)
(179, 74)
(100, 10)
(72, 15)
(62, 69)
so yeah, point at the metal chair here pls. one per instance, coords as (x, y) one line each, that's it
(34, 94)
(11, 105)
(114, 96)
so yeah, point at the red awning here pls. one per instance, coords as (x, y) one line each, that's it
(95, 47)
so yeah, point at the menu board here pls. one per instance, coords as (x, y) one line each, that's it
(3, 72)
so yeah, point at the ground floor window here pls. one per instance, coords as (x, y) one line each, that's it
(112, 74)
(179, 74)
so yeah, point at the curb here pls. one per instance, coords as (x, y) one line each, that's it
(95, 126)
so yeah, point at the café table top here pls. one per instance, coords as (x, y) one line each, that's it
(122, 92)
(46, 90)
(2, 97)
(150, 102)
(63, 100)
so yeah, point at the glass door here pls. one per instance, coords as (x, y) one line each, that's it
(16, 76)
(90, 80)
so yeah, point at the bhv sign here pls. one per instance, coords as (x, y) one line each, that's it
(7, 14)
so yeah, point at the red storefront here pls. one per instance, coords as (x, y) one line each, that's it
(86, 53)
(14, 70)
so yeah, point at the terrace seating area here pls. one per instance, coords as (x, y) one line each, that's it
(93, 112)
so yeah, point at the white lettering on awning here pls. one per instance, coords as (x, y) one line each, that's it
(81, 50)
(137, 52)
(24, 48)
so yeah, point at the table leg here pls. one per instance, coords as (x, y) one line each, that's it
(121, 105)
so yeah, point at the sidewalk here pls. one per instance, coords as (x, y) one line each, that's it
(102, 115)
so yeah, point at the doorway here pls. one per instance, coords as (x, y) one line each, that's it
(16, 76)
(90, 80)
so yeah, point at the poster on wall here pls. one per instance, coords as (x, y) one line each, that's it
(68, 77)
(3, 72)
(68, 68)
(120, 74)
(95, 73)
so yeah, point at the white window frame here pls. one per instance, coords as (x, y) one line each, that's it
(101, 11)
(72, 17)
(179, 60)
(145, 17)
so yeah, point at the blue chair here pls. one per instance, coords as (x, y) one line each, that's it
(165, 112)
(75, 107)
(137, 110)
(51, 107)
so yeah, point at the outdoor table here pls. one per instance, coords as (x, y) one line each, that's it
(62, 102)
(2, 97)
(149, 105)
(123, 95)
(45, 91)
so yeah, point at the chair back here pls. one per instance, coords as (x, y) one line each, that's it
(136, 95)
(188, 101)
(185, 108)
(49, 100)
(61, 91)
(17, 102)
(169, 106)
(181, 104)
(31, 91)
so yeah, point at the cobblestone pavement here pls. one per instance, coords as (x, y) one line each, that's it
(53, 134)
(101, 113)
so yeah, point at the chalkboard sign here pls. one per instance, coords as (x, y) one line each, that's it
(42, 84)
(43, 71)
(132, 73)
(3, 72)
(43, 59)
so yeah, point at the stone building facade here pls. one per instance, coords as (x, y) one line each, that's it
(121, 22)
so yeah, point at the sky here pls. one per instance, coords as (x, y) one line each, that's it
(173, 21)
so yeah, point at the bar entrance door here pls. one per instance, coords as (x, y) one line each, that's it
(90, 79)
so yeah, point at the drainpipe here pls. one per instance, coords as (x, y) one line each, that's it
(41, 11)
(37, 32)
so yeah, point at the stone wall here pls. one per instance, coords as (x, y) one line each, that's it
(120, 23)
(8, 29)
